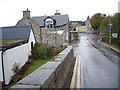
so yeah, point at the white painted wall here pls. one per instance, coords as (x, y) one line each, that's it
(17, 55)
(1, 74)
(31, 38)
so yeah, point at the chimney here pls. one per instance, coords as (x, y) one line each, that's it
(57, 12)
(26, 14)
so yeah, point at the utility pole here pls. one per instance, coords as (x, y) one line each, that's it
(110, 31)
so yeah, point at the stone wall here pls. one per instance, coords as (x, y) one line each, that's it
(35, 27)
(52, 39)
(53, 74)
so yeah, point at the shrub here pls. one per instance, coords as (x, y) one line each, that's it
(56, 51)
(43, 52)
(40, 51)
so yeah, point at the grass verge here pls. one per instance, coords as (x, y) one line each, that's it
(114, 46)
(36, 64)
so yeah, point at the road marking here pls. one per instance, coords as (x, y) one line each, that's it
(78, 76)
(72, 86)
(75, 83)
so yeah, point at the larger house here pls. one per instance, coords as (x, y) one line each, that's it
(16, 44)
(52, 30)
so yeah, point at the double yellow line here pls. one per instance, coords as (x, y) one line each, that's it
(75, 83)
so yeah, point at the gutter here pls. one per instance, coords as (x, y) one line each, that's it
(3, 65)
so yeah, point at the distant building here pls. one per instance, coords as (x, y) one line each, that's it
(82, 29)
(119, 6)
(52, 30)
(15, 47)
(88, 25)
(74, 30)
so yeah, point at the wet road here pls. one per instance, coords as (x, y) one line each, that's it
(98, 63)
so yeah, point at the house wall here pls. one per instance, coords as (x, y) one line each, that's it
(61, 39)
(35, 27)
(32, 38)
(16, 56)
(82, 29)
(1, 74)
(66, 28)
(19, 56)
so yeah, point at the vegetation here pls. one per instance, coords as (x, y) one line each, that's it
(36, 64)
(100, 23)
(45, 52)
(41, 55)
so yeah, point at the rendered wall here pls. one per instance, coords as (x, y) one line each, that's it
(16, 56)
(1, 73)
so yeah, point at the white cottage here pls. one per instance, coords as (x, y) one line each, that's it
(15, 46)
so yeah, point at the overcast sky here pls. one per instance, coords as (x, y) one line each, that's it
(11, 10)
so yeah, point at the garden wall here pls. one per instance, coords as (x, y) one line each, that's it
(53, 74)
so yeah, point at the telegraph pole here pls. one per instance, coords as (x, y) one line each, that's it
(110, 31)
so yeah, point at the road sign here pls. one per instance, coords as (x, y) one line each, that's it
(110, 26)
(114, 35)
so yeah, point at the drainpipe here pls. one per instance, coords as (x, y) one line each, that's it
(3, 66)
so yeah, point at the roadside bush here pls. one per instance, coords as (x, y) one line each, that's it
(106, 40)
(56, 51)
(40, 51)
(114, 41)
(118, 40)
(43, 52)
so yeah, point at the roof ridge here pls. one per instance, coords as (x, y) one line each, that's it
(16, 26)
(49, 16)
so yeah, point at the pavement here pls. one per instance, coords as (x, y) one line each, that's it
(115, 49)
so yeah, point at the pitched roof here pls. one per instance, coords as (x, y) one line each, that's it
(15, 32)
(14, 36)
(60, 19)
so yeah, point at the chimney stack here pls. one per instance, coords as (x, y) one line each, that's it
(26, 14)
(57, 12)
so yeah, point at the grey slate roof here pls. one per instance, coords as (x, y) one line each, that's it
(60, 19)
(15, 32)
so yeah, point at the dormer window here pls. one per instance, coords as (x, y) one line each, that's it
(49, 23)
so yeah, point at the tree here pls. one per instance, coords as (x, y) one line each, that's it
(97, 20)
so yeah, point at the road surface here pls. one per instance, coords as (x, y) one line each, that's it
(98, 66)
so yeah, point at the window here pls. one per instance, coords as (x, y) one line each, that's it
(49, 23)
